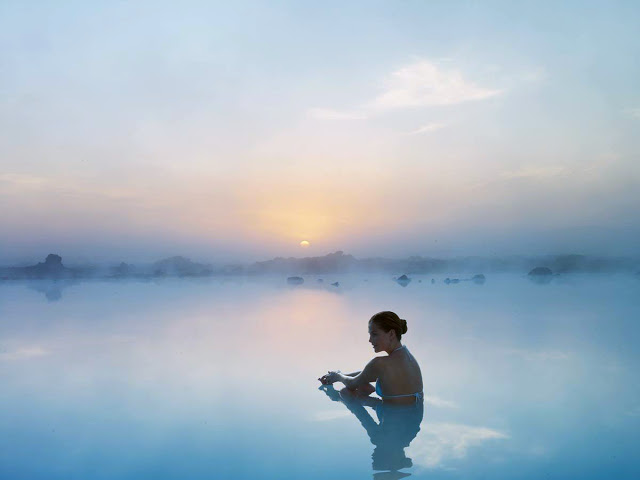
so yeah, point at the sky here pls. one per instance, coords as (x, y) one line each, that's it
(228, 131)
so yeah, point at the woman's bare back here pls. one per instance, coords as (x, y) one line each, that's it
(400, 374)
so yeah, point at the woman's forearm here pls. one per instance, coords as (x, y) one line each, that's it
(347, 380)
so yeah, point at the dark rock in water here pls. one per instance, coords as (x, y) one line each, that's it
(403, 280)
(433, 280)
(295, 280)
(447, 280)
(541, 271)
(455, 280)
(419, 281)
(541, 275)
(451, 280)
(479, 279)
(336, 284)
(320, 280)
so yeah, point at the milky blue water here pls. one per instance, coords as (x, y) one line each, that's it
(216, 379)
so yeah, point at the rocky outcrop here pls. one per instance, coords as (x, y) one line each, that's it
(336, 262)
(122, 270)
(181, 267)
(295, 280)
(52, 267)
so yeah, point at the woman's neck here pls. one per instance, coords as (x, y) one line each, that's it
(394, 347)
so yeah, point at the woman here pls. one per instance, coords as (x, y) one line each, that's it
(397, 376)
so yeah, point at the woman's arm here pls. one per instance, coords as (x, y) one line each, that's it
(325, 378)
(369, 374)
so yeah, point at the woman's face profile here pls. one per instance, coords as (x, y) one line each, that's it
(379, 338)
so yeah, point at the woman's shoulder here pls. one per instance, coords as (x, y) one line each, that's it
(377, 362)
(373, 369)
(380, 363)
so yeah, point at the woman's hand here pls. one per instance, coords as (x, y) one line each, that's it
(330, 377)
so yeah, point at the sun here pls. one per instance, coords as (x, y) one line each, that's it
(305, 244)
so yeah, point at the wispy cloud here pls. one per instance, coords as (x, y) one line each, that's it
(424, 84)
(535, 75)
(18, 182)
(429, 127)
(441, 442)
(633, 112)
(21, 180)
(536, 172)
(439, 402)
(24, 353)
(330, 114)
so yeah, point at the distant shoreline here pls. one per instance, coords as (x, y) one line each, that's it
(333, 263)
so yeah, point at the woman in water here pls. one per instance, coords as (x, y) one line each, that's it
(397, 376)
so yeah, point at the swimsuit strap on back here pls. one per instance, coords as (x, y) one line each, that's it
(418, 395)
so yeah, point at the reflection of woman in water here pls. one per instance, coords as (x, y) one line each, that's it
(397, 376)
(397, 426)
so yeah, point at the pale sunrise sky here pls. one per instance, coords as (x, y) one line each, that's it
(235, 130)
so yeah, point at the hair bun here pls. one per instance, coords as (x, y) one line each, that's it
(390, 321)
(403, 325)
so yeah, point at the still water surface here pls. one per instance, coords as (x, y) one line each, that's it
(217, 379)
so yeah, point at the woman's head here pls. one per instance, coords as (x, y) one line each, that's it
(384, 328)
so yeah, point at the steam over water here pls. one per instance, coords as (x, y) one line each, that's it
(217, 378)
